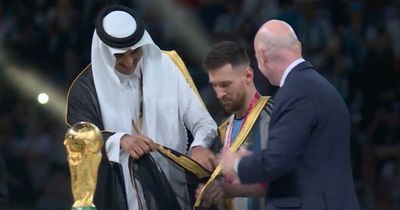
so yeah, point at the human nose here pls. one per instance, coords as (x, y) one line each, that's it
(220, 92)
(127, 61)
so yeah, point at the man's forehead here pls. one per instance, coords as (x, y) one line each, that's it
(127, 51)
(219, 80)
(121, 50)
(221, 77)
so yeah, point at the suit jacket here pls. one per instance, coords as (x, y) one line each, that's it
(307, 160)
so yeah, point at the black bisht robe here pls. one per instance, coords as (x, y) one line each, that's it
(110, 193)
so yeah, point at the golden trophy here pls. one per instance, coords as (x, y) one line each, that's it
(83, 143)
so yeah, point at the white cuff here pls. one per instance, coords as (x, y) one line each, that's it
(113, 145)
(203, 137)
(199, 143)
(236, 165)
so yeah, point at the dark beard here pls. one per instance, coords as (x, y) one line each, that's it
(236, 105)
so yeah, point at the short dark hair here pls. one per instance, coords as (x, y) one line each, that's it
(225, 52)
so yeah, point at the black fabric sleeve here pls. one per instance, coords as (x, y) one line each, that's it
(83, 105)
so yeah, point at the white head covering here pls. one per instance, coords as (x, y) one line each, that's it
(159, 83)
(167, 98)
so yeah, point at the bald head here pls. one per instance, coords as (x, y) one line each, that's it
(276, 46)
(276, 34)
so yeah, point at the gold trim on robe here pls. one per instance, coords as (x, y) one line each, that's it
(184, 161)
(182, 67)
(240, 138)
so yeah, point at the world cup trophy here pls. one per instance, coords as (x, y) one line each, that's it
(83, 143)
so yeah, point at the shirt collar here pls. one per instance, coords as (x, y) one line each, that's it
(289, 69)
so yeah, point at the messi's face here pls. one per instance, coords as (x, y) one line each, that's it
(230, 86)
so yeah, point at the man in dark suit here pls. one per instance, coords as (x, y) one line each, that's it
(307, 160)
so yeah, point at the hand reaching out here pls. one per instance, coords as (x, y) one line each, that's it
(213, 194)
(137, 145)
(227, 162)
(203, 156)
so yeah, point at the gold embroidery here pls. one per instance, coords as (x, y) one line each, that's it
(240, 138)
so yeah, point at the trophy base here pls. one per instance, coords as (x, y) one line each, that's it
(84, 208)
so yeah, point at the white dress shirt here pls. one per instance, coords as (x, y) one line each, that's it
(289, 69)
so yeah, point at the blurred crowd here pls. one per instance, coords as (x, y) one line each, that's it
(354, 44)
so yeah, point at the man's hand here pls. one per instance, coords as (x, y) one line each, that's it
(203, 156)
(204, 202)
(215, 191)
(213, 194)
(137, 145)
(227, 162)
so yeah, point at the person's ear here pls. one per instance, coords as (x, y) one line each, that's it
(263, 57)
(249, 74)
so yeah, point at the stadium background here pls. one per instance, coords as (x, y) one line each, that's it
(45, 44)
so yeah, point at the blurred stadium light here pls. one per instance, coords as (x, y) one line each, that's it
(29, 83)
(185, 27)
